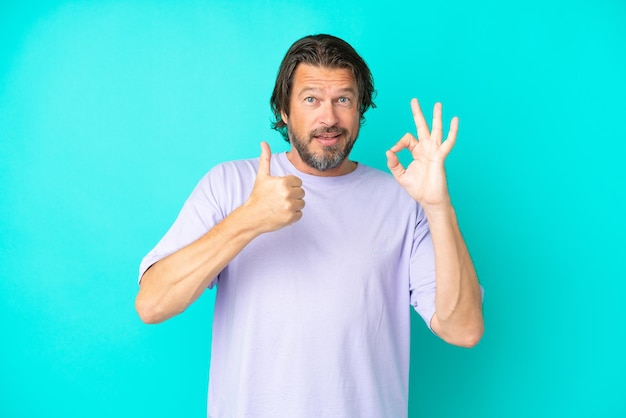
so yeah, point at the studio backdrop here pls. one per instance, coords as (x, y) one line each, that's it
(111, 111)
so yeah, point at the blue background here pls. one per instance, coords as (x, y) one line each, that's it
(111, 111)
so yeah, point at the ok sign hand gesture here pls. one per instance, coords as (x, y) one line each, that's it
(425, 177)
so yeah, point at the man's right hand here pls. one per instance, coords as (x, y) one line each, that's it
(275, 201)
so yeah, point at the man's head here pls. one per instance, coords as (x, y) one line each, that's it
(320, 51)
(325, 67)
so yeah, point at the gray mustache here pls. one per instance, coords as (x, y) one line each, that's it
(329, 130)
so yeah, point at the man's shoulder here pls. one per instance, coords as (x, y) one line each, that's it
(232, 169)
(236, 165)
(227, 178)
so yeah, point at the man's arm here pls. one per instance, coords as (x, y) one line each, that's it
(170, 285)
(458, 300)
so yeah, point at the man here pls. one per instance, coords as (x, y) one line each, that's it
(313, 303)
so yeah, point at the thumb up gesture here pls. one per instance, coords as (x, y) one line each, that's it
(275, 201)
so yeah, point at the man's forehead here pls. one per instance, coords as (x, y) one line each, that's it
(312, 76)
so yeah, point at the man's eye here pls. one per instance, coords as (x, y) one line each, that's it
(344, 100)
(310, 99)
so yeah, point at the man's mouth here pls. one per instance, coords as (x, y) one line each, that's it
(328, 137)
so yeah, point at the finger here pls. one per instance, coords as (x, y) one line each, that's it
(407, 141)
(293, 181)
(437, 133)
(394, 165)
(264, 160)
(297, 216)
(297, 193)
(420, 122)
(299, 205)
(446, 147)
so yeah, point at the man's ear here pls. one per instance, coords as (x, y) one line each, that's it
(284, 117)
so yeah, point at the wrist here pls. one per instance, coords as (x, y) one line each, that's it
(443, 210)
(248, 221)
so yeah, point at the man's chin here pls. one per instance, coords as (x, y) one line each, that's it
(324, 163)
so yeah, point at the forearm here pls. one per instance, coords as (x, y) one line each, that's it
(173, 283)
(458, 300)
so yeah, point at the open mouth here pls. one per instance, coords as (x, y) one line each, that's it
(327, 137)
(328, 140)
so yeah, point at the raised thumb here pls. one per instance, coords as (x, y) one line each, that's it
(264, 160)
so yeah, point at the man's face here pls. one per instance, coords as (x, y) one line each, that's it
(323, 121)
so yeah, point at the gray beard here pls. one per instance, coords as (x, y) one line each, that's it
(331, 157)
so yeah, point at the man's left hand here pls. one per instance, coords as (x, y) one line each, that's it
(425, 177)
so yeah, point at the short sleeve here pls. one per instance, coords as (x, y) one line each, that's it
(422, 269)
(199, 214)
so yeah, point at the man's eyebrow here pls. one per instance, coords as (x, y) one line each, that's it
(348, 90)
(316, 89)
(308, 89)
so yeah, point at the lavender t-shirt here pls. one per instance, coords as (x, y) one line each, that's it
(313, 320)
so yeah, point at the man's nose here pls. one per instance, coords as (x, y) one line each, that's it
(328, 115)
